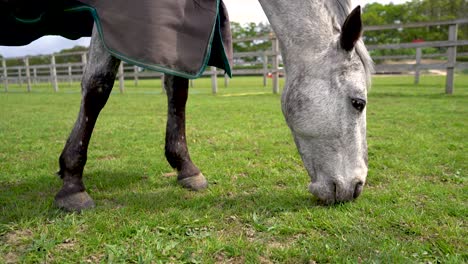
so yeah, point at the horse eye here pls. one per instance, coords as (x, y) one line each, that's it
(358, 103)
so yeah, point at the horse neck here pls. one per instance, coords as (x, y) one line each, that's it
(303, 28)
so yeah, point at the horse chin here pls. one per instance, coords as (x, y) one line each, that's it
(317, 189)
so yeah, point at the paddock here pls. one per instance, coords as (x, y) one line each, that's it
(257, 208)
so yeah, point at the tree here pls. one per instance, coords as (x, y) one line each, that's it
(45, 59)
(250, 30)
(414, 11)
(71, 58)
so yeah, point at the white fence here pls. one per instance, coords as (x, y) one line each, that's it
(55, 73)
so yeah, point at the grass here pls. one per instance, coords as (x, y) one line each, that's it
(257, 209)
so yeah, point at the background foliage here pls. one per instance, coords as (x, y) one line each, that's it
(414, 11)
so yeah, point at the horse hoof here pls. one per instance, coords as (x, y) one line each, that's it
(194, 183)
(75, 202)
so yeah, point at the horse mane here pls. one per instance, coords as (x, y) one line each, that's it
(341, 10)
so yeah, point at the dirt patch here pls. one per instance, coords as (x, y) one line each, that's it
(250, 233)
(170, 174)
(17, 240)
(67, 244)
(95, 258)
(264, 260)
(222, 258)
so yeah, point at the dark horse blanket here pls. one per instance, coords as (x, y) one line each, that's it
(179, 37)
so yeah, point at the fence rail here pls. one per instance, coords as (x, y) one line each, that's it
(69, 72)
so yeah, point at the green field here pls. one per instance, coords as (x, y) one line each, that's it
(257, 208)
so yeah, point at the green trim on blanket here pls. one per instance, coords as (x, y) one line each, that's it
(210, 44)
(225, 58)
(157, 67)
(28, 20)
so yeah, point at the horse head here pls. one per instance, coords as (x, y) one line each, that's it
(326, 112)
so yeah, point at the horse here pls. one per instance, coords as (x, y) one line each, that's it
(324, 103)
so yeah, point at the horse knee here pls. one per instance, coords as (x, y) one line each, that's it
(96, 89)
(98, 82)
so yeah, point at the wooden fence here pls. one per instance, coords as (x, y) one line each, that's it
(69, 72)
(451, 44)
(56, 73)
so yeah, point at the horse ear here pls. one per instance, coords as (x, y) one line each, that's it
(351, 30)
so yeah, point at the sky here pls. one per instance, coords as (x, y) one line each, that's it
(242, 11)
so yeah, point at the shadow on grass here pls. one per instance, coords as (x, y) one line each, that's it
(158, 193)
(31, 200)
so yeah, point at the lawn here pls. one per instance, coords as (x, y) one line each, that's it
(257, 208)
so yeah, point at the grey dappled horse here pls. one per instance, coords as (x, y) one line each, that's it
(324, 99)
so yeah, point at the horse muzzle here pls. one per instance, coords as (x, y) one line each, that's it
(334, 191)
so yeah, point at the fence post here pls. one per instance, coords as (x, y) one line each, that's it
(135, 75)
(70, 80)
(5, 75)
(28, 74)
(20, 79)
(226, 80)
(418, 62)
(275, 64)
(34, 75)
(214, 80)
(163, 88)
(121, 77)
(53, 73)
(265, 69)
(451, 60)
(191, 83)
(84, 61)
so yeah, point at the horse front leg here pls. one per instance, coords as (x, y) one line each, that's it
(188, 175)
(96, 86)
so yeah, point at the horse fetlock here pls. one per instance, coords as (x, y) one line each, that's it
(177, 154)
(196, 182)
(96, 83)
(72, 163)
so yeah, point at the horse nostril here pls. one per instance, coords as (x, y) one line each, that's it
(358, 189)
